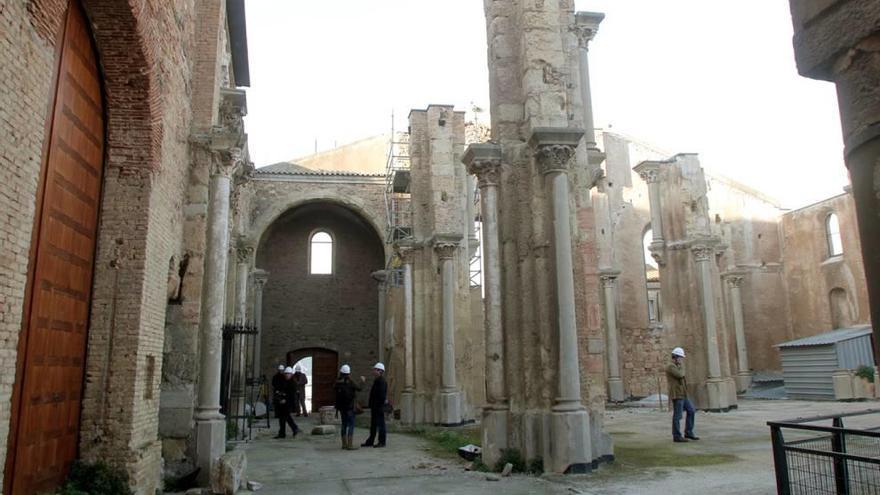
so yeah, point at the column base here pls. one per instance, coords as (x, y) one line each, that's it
(615, 390)
(570, 442)
(717, 394)
(210, 445)
(450, 408)
(407, 415)
(494, 434)
(743, 381)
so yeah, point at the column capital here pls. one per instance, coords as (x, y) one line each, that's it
(224, 162)
(649, 170)
(555, 147)
(243, 250)
(406, 249)
(609, 279)
(586, 26)
(734, 278)
(702, 251)
(484, 161)
(446, 245)
(260, 278)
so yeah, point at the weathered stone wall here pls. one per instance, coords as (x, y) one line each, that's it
(811, 274)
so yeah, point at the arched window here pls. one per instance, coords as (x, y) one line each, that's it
(652, 277)
(832, 235)
(320, 253)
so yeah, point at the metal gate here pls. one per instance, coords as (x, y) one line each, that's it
(239, 389)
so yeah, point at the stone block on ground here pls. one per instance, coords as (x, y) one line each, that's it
(324, 430)
(229, 473)
(508, 468)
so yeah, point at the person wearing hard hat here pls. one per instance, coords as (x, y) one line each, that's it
(675, 377)
(378, 398)
(285, 395)
(301, 381)
(277, 384)
(346, 396)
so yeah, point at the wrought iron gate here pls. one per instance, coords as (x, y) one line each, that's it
(239, 388)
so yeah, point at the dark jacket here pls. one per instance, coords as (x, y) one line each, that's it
(378, 393)
(677, 381)
(279, 390)
(285, 390)
(350, 388)
(301, 380)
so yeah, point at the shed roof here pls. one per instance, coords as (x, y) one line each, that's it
(828, 338)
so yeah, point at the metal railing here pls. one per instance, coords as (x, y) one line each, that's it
(239, 389)
(815, 459)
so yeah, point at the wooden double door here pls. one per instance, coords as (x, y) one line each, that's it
(324, 372)
(49, 378)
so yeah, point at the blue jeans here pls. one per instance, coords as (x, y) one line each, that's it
(679, 405)
(347, 422)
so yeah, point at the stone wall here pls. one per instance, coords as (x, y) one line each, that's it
(337, 312)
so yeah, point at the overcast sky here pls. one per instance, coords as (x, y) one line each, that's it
(684, 75)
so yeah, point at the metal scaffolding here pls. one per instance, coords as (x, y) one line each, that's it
(398, 200)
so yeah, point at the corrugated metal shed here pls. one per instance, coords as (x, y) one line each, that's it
(808, 363)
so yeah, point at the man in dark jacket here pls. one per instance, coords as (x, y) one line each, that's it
(284, 395)
(346, 396)
(378, 398)
(301, 381)
(675, 377)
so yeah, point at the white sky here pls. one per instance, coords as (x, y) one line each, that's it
(684, 75)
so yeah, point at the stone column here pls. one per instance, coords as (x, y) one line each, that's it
(703, 258)
(649, 171)
(484, 161)
(243, 254)
(260, 279)
(570, 449)
(409, 379)
(615, 383)
(450, 397)
(586, 27)
(744, 374)
(380, 276)
(210, 424)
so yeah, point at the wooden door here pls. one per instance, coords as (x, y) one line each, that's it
(47, 398)
(324, 373)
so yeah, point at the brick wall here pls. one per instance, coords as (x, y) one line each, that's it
(338, 311)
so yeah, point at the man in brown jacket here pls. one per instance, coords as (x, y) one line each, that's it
(675, 377)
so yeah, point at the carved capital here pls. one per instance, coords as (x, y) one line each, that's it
(735, 281)
(702, 252)
(554, 158)
(586, 26)
(260, 278)
(649, 176)
(484, 161)
(233, 108)
(609, 280)
(224, 162)
(244, 251)
(649, 170)
(445, 249)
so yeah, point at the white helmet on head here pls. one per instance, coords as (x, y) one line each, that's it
(280, 367)
(345, 370)
(678, 351)
(379, 366)
(297, 369)
(288, 371)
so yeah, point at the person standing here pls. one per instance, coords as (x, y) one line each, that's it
(284, 397)
(277, 384)
(675, 376)
(378, 398)
(301, 381)
(346, 395)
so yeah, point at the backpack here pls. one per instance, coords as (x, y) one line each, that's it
(344, 395)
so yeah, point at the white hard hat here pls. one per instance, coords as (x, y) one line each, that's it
(678, 351)
(345, 370)
(288, 370)
(379, 366)
(280, 367)
(297, 368)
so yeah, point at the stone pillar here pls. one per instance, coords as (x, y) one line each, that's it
(260, 279)
(243, 254)
(744, 374)
(484, 161)
(717, 395)
(570, 449)
(380, 276)
(650, 173)
(615, 382)
(409, 377)
(450, 397)
(586, 27)
(210, 424)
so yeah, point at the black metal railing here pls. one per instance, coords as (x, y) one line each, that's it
(239, 388)
(815, 459)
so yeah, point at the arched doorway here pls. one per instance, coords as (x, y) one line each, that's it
(320, 299)
(46, 401)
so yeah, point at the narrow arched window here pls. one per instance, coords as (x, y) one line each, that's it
(321, 253)
(832, 235)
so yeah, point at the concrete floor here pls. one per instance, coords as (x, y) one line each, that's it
(732, 457)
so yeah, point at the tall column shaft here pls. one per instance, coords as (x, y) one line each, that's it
(615, 382)
(409, 375)
(260, 279)
(448, 377)
(744, 374)
(495, 389)
(649, 171)
(586, 26)
(381, 276)
(242, 274)
(702, 255)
